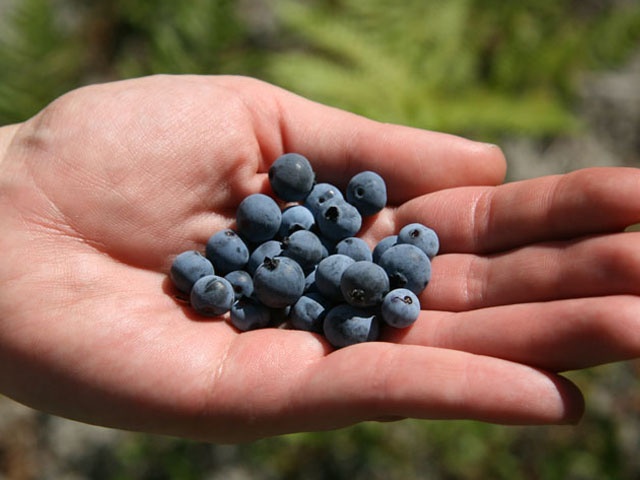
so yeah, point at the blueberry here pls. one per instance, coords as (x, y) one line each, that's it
(407, 267)
(278, 282)
(308, 312)
(270, 248)
(212, 296)
(422, 237)
(400, 308)
(328, 246)
(355, 248)
(241, 282)
(364, 284)
(320, 195)
(187, 268)
(296, 217)
(291, 177)
(307, 266)
(227, 252)
(338, 220)
(304, 247)
(329, 273)
(346, 325)
(382, 246)
(258, 218)
(310, 281)
(247, 314)
(367, 192)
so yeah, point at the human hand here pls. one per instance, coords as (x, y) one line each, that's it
(104, 187)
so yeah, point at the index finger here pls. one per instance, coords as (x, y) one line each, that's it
(340, 144)
(558, 207)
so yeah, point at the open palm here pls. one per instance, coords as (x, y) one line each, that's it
(102, 189)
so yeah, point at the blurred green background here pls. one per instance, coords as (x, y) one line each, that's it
(556, 83)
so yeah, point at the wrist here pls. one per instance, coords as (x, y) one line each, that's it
(7, 133)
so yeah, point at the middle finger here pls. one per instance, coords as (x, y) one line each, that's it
(592, 266)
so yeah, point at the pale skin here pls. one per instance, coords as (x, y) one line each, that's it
(102, 189)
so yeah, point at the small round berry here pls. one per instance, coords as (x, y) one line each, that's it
(241, 282)
(347, 325)
(338, 220)
(329, 273)
(364, 284)
(308, 312)
(258, 218)
(291, 177)
(227, 252)
(355, 248)
(212, 296)
(270, 248)
(247, 314)
(278, 282)
(407, 267)
(421, 236)
(400, 308)
(320, 195)
(294, 218)
(304, 247)
(187, 268)
(382, 246)
(367, 191)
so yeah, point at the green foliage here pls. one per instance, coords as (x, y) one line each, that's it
(39, 59)
(199, 37)
(50, 48)
(472, 67)
(479, 68)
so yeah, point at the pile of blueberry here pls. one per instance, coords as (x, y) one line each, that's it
(304, 264)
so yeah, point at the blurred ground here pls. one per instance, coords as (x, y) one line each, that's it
(610, 110)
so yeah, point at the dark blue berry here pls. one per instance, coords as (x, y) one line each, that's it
(258, 218)
(310, 281)
(212, 296)
(367, 192)
(407, 267)
(400, 308)
(422, 237)
(227, 252)
(338, 220)
(355, 248)
(247, 314)
(383, 245)
(308, 312)
(270, 248)
(364, 284)
(304, 247)
(187, 268)
(278, 282)
(241, 282)
(294, 218)
(346, 325)
(329, 273)
(291, 177)
(322, 194)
